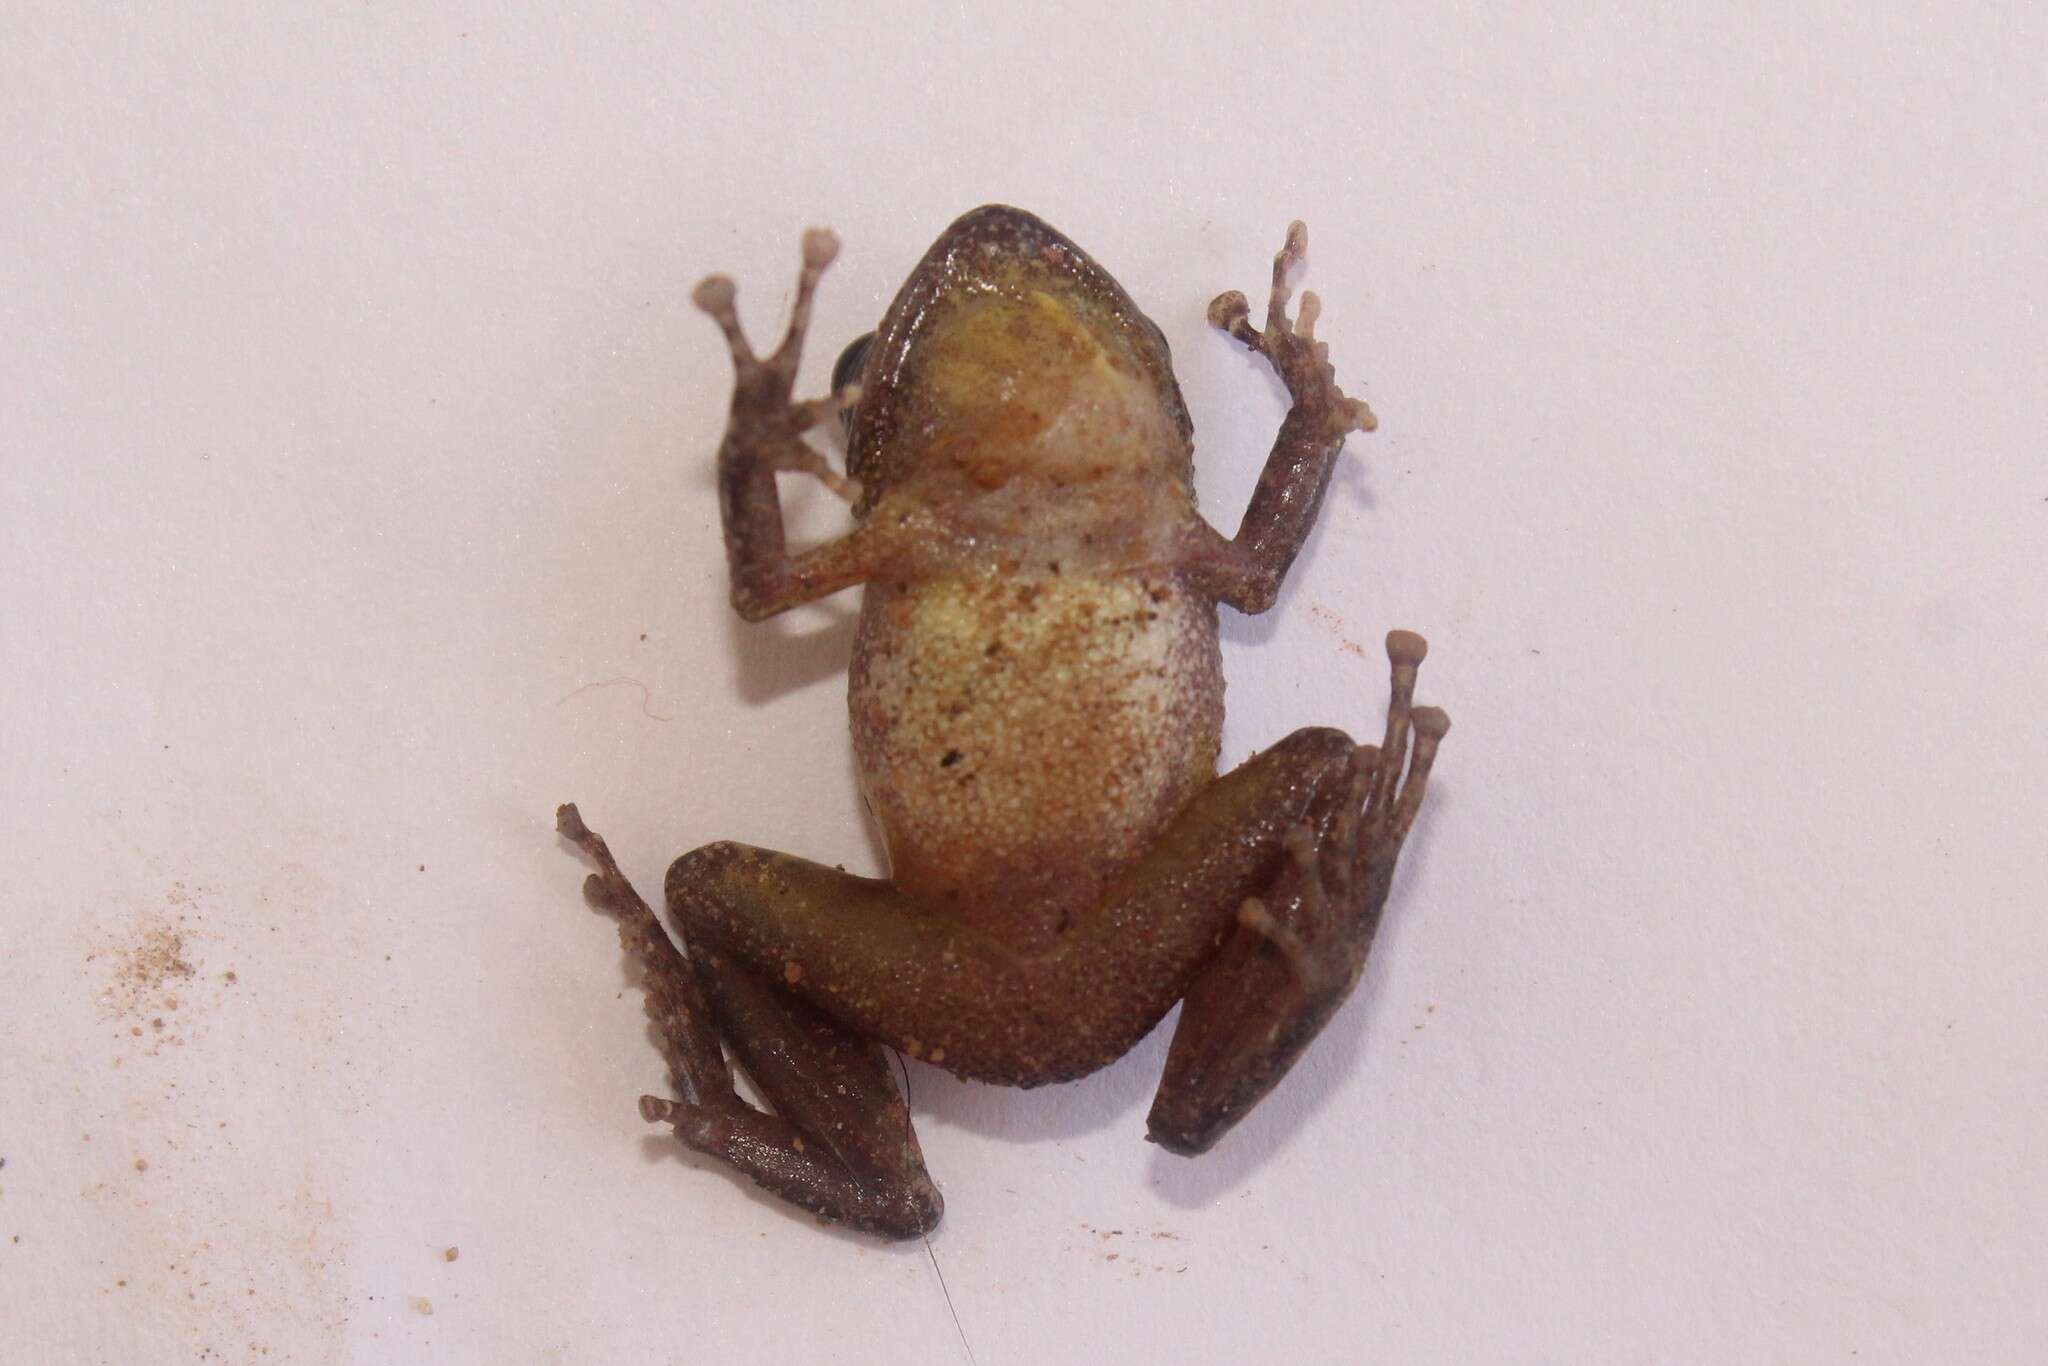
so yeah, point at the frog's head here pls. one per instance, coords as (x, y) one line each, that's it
(1009, 353)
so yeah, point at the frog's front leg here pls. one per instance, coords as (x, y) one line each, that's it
(1298, 950)
(1245, 571)
(764, 434)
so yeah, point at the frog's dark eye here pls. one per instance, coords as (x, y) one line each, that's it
(846, 369)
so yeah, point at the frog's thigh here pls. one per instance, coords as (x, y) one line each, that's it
(908, 974)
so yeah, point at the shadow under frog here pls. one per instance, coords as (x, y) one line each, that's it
(1037, 704)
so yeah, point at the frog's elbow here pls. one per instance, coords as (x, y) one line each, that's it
(752, 606)
(1248, 588)
(1254, 593)
(755, 599)
(1233, 573)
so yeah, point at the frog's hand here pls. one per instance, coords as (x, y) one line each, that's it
(764, 435)
(1299, 949)
(1291, 345)
(1245, 571)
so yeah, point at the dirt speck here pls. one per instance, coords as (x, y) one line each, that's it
(153, 957)
(142, 1164)
(451, 1254)
(1337, 626)
(421, 1305)
(147, 974)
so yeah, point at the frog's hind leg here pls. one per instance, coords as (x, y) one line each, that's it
(1299, 948)
(908, 970)
(839, 1142)
(675, 998)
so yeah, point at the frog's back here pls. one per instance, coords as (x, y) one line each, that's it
(1021, 737)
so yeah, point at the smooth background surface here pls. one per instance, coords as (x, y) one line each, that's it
(356, 429)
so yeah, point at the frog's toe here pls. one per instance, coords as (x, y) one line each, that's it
(1231, 312)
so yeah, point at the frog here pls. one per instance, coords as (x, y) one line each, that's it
(1036, 703)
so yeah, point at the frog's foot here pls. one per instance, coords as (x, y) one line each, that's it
(767, 426)
(1300, 947)
(839, 1143)
(1340, 872)
(1414, 732)
(1302, 362)
(676, 1004)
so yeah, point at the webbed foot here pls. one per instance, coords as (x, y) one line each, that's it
(1300, 948)
(839, 1142)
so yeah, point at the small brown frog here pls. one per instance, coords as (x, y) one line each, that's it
(1037, 701)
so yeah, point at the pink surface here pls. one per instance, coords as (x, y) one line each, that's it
(357, 431)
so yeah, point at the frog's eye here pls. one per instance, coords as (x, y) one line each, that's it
(846, 369)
